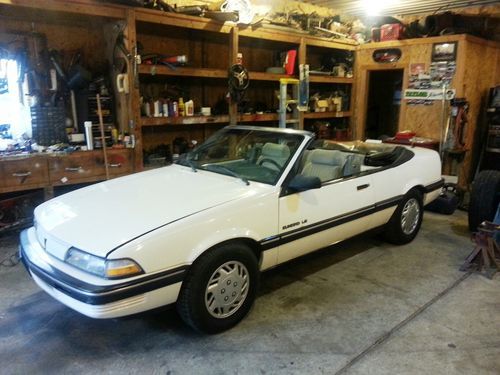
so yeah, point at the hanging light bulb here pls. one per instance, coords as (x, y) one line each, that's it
(375, 8)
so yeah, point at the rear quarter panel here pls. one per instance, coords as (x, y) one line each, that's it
(423, 169)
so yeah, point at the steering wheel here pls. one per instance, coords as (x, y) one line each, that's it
(273, 162)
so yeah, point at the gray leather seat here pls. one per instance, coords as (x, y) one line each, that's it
(276, 152)
(352, 164)
(325, 164)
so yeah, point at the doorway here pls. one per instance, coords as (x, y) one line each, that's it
(384, 102)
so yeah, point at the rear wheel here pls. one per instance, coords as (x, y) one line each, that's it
(484, 198)
(406, 220)
(219, 289)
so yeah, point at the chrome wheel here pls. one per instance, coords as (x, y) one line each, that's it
(410, 216)
(227, 289)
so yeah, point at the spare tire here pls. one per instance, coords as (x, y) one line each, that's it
(484, 198)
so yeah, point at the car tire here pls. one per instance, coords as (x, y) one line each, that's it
(405, 222)
(484, 198)
(219, 289)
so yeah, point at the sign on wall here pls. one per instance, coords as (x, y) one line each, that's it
(432, 94)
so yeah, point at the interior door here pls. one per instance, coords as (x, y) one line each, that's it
(317, 218)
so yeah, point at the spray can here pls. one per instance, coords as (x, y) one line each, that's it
(175, 109)
(88, 135)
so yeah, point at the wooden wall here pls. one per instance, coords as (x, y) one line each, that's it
(64, 35)
(478, 68)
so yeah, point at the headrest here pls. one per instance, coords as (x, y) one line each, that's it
(274, 150)
(327, 157)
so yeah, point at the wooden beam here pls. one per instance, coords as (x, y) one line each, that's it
(161, 70)
(82, 7)
(181, 20)
(233, 52)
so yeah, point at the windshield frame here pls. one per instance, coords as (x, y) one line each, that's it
(300, 137)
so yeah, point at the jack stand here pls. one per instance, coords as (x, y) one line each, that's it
(486, 254)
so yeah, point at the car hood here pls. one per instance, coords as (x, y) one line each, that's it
(101, 217)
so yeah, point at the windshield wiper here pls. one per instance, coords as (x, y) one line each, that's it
(189, 162)
(229, 171)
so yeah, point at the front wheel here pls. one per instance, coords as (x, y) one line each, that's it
(406, 220)
(219, 289)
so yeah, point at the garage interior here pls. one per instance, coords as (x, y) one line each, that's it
(92, 91)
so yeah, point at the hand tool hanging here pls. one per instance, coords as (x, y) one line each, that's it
(103, 139)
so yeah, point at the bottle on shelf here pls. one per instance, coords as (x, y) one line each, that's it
(182, 108)
(189, 108)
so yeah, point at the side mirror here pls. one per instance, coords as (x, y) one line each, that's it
(303, 183)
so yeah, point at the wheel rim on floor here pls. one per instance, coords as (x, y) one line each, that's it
(227, 289)
(410, 216)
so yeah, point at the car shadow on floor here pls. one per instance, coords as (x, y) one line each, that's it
(300, 268)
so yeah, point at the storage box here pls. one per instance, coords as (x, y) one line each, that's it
(391, 31)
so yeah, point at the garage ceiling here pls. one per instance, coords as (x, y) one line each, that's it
(396, 7)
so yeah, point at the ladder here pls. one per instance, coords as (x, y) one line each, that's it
(285, 102)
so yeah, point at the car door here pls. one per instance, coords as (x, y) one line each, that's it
(317, 218)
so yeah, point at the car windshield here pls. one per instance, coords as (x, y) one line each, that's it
(248, 154)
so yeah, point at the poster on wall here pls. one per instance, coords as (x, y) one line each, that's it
(439, 75)
(420, 80)
(444, 51)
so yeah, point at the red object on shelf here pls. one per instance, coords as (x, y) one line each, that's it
(391, 31)
(289, 64)
(406, 134)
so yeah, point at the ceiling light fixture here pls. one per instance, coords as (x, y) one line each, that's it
(375, 8)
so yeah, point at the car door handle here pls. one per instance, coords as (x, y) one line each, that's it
(361, 187)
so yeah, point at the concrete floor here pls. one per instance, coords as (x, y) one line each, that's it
(360, 307)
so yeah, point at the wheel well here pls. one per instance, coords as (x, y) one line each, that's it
(252, 244)
(420, 189)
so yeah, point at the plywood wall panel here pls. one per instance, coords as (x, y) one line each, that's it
(67, 37)
(425, 120)
(480, 73)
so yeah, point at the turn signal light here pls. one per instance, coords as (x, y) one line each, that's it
(120, 268)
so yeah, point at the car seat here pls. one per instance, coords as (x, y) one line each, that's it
(352, 164)
(325, 164)
(275, 152)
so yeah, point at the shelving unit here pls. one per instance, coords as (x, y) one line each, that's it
(211, 47)
(317, 52)
(69, 26)
(207, 45)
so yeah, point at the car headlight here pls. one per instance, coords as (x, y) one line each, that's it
(106, 268)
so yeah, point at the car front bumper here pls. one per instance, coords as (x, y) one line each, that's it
(121, 298)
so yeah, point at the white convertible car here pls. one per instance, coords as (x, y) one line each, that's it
(198, 233)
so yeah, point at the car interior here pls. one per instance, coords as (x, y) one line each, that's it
(333, 160)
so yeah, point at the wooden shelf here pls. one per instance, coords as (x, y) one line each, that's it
(345, 44)
(185, 120)
(277, 34)
(319, 115)
(160, 70)
(329, 79)
(191, 120)
(263, 76)
(258, 118)
(292, 36)
(181, 20)
(78, 8)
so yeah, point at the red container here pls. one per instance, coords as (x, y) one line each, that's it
(391, 31)
(289, 64)
(405, 134)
